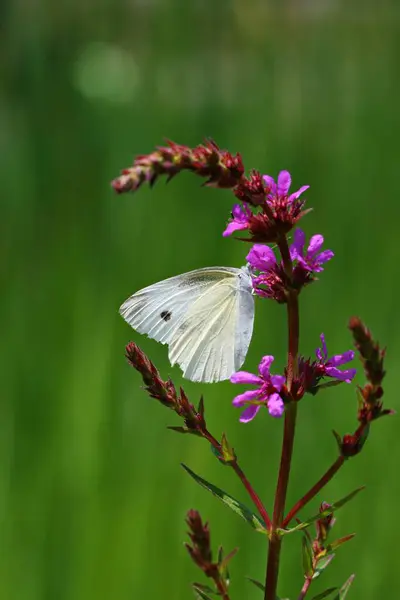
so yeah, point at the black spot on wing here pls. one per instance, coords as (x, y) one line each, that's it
(166, 315)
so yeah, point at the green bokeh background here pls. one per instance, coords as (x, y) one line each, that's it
(92, 497)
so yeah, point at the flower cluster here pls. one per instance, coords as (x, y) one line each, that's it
(219, 167)
(277, 211)
(271, 391)
(201, 554)
(266, 394)
(273, 280)
(166, 393)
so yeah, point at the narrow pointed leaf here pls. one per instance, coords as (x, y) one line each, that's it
(202, 595)
(228, 452)
(338, 440)
(307, 554)
(327, 384)
(259, 585)
(322, 564)
(325, 594)
(345, 588)
(206, 589)
(179, 429)
(333, 507)
(232, 503)
(223, 561)
(341, 541)
(200, 408)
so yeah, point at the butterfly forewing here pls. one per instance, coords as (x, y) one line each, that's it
(158, 309)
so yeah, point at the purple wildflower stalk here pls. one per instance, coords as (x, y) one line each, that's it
(265, 212)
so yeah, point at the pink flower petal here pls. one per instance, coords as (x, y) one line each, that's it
(261, 257)
(325, 256)
(276, 406)
(270, 183)
(240, 213)
(345, 376)
(245, 377)
(245, 397)
(341, 359)
(315, 244)
(278, 381)
(233, 226)
(296, 249)
(297, 194)
(284, 182)
(322, 353)
(264, 366)
(249, 413)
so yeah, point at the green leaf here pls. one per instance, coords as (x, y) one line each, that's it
(307, 554)
(345, 588)
(218, 454)
(341, 541)
(228, 452)
(205, 589)
(322, 564)
(325, 594)
(179, 429)
(223, 562)
(202, 595)
(325, 513)
(327, 384)
(259, 585)
(231, 502)
(338, 439)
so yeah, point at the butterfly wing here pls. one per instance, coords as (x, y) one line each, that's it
(158, 309)
(205, 316)
(211, 342)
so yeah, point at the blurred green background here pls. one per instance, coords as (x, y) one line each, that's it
(92, 497)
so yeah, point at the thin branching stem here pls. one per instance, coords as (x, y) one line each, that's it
(305, 588)
(314, 490)
(240, 473)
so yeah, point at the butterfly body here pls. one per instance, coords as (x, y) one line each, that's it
(204, 316)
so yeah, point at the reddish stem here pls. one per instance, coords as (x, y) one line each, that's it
(305, 588)
(275, 540)
(255, 498)
(252, 493)
(221, 587)
(314, 490)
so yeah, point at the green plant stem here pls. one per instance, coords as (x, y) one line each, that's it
(275, 540)
(314, 490)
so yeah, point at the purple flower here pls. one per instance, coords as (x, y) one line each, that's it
(267, 392)
(328, 366)
(240, 219)
(261, 257)
(313, 259)
(279, 191)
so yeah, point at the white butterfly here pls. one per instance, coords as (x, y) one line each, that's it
(205, 316)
